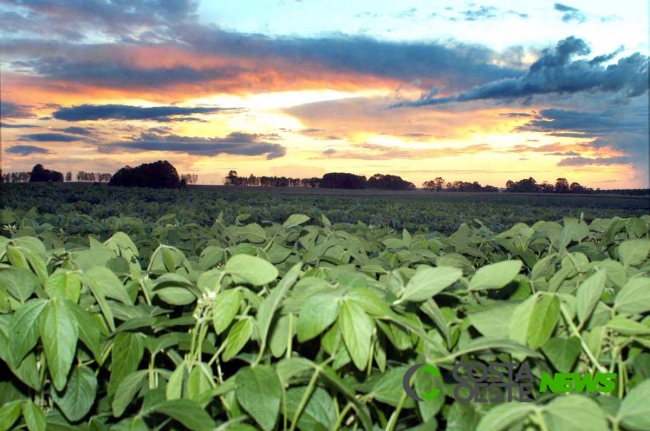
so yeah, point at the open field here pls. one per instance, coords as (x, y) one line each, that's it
(254, 309)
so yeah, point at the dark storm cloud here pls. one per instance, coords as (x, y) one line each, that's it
(557, 72)
(26, 150)
(126, 112)
(16, 126)
(236, 143)
(14, 110)
(565, 123)
(601, 161)
(570, 13)
(48, 137)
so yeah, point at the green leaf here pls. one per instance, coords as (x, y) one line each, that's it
(462, 417)
(424, 384)
(110, 285)
(357, 329)
(64, 284)
(318, 313)
(187, 412)
(318, 413)
(635, 409)
(272, 302)
(176, 295)
(520, 322)
(389, 390)
(89, 330)
(174, 389)
(295, 220)
(23, 331)
(168, 259)
(59, 334)
(626, 326)
(19, 282)
(34, 417)
(575, 413)
(589, 294)
(249, 269)
(8, 414)
(79, 395)
(634, 297)
(634, 251)
(225, 308)
(493, 321)
(495, 276)
(126, 391)
(544, 317)
(260, 392)
(253, 233)
(237, 338)
(562, 352)
(429, 282)
(503, 416)
(128, 349)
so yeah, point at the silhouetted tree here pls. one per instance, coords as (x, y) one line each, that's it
(561, 185)
(160, 174)
(41, 175)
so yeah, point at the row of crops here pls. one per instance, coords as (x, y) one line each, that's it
(186, 314)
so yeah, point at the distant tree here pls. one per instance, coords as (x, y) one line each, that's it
(41, 175)
(68, 176)
(160, 174)
(339, 180)
(561, 185)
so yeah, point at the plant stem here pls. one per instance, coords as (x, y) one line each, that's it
(303, 401)
(393, 418)
(582, 341)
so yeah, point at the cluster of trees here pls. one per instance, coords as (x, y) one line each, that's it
(41, 175)
(16, 177)
(157, 175)
(439, 185)
(561, 185)
(89, 177)
(335, 180)
(189, 178)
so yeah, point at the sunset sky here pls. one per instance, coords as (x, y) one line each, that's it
(491, 92)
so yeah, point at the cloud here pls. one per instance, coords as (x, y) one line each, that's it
(48, 137)
(329, 151)
(557, 72)
(77, 130)
(483, 12)
(15, 110)
(601, 161)
(236, 143)
(16, 126)
(126, 112)
(476, 13)
(569, 123)
(380, 152)
(26, 150)
(515, 114)
(570, 13)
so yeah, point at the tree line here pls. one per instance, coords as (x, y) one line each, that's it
(334, 180)
(526, 185)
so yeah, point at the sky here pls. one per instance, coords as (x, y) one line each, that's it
(488, 91)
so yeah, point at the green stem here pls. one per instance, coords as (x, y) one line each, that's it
(290, 337)
(393, 418)
(303, 401)
(340, 417)
(582, 341)
(540, 419)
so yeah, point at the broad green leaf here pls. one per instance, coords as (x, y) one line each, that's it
(259, 392)
(126, 391)
(627, 326)
(89, 329)
(8, 415)
(253, 233)
(357, 329)
(520, 322)
(24, 329)
(128, 349)
(389, 389)
(187, 412)
(589, 294)
(318, 413)
(224, 309)
(544, 317)
(562, 352)
(79, 395)
(273, 300)
(634, 297)
(176, 295)
(575, 413)
(370, 301)
(495, 276)
(34, 417)
(635, 409)
(19, 282)
(295, 220)
(429, 282)
(168, 259)
(318, 313)
(279, 336)
(462, 417)
(493, 321)
(64, 284)
(110, 285)
(250, 269)
(237, 338)
(174, 389)
(634, 251)
(59, 334)
(503, 416)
